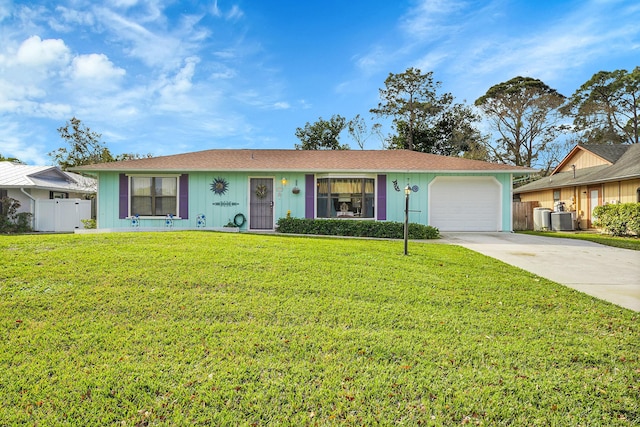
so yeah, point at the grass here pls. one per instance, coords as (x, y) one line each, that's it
(632, 243)
(196, 328)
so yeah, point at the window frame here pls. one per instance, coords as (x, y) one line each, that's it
(374, 194)
(58, 195)
(153, 176)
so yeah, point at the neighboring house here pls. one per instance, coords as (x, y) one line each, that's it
(55, 198)
(253, 188)
(589, 176)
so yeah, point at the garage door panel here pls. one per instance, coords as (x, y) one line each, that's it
(465, 204)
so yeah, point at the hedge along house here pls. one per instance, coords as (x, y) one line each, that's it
(253, 188)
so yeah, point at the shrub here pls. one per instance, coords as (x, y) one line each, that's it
(89, 224)
(10, 221)
(618, 220)
(337, 227)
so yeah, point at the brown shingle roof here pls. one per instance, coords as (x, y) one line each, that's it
(305, 161)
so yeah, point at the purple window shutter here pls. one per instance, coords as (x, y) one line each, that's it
(184, 196)
(382, 197)
(309, 196)
(124, 196)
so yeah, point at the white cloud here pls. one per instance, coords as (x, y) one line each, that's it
(36, 52)
(235, 13)
(12, 141)
(95, 68)
(430, 19)
(67, 19)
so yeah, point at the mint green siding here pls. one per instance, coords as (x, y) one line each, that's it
(221, 209)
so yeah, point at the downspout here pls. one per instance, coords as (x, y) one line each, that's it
(33, 203)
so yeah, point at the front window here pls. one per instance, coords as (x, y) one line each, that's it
(154, 196)
(345, 198)
(58, 195)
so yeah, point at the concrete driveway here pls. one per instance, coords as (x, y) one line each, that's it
(611, 274)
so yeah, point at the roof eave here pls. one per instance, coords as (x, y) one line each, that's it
(314, 170)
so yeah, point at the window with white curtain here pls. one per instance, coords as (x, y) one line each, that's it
(154, 195)
(351, 197)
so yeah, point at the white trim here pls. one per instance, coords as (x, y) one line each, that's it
(510, 203)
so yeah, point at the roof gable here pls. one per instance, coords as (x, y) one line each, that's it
(583, 156)
(626, 167)
(46, 177)
(305, 161)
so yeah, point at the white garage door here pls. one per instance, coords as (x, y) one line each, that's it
(465, 204)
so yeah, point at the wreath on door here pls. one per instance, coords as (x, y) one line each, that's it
(261, 191)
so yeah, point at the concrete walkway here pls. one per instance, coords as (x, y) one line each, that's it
(608, 273)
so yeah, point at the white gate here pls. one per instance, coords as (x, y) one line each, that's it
(61, 214)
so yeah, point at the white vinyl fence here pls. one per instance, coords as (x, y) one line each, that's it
(61, 214)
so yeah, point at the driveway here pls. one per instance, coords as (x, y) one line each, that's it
(611, 274)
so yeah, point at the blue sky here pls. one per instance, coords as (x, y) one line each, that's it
(166, 77)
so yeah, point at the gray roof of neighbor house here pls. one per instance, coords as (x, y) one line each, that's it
(15, 175)
(611, 153)
(626, 166)
(306, 161)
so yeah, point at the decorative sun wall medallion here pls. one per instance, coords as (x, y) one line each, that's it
(220, 186)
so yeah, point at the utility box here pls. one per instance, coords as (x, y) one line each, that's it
(561, 221)
(541, 219)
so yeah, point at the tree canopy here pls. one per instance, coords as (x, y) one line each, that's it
(322, 135)
(9, 159)
(451, 133)
(411, 99)
(606, 108)
(84, 146)
(524, 113)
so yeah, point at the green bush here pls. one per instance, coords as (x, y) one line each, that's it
(618, 220)
(89, 224)
(10, 221)
(337, 227)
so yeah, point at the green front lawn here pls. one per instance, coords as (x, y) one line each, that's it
(197, 328)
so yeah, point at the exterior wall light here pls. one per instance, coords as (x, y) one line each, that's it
(284, 181)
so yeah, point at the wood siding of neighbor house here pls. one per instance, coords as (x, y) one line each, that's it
(582, 160)
(621, 191)
(220, 209)
(610, 192)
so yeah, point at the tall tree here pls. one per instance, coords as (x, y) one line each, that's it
(451, 133)
(360, 132)
(524, 113)
(606, 109)
(322, 135)
(411, 98)
(85, 146)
